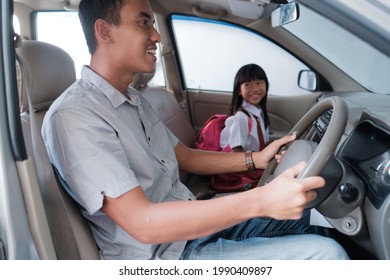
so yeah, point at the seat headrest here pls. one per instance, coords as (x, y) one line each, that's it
(51, 72)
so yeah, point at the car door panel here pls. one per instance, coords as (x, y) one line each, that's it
(284, 111)
(203, 104)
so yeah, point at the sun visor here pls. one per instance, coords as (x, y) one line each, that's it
(254, 9)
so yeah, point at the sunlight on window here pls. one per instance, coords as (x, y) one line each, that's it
(16, 24)
(219, 49)
(64, 30)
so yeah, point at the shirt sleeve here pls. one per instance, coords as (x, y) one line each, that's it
(91, 165)
(236, 131)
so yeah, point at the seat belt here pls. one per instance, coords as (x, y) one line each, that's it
(60, 226)
(168, 56)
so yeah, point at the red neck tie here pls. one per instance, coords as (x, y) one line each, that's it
(260, 134)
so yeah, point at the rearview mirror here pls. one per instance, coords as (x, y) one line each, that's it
(285, 14)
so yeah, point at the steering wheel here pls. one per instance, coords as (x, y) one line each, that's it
(315, 155)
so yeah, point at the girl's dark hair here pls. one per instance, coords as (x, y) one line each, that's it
(92, 10)
(248, 73)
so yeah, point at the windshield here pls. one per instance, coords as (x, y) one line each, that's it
(365, 64)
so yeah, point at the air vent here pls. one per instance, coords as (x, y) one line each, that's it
(322, 123)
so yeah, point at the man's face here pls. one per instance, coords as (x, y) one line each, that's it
(135, 39)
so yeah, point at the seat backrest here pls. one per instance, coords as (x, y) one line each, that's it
(168, 110)
(170, 113)
(47, 72)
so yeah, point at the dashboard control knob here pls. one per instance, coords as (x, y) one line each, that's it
(348, 192)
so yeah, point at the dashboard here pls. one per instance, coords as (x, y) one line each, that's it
(367, 151)
(359, 206)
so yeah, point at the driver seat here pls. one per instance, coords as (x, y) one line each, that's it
(44, 72)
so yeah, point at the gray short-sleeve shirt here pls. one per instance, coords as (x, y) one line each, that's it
(105, 143)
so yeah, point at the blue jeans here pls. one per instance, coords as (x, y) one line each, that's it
(265, 239)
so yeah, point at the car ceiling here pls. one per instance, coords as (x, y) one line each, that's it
(221, 9)
(226, 10)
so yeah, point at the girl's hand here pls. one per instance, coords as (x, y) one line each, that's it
(262, 158)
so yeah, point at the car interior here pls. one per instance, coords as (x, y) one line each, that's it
(343, 131)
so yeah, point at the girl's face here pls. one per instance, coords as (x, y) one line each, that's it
(254, 91)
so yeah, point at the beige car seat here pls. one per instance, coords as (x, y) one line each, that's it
(170, 113)
(45, 72)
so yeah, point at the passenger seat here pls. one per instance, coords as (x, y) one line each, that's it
(170, 113)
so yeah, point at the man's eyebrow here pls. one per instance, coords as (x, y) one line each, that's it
(147, 15)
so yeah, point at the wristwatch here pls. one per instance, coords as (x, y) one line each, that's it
(249, 161)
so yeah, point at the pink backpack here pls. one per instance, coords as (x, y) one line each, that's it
(208, 137)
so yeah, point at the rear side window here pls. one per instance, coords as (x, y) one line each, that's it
(211, 52)
(16, 24)
(64, 30)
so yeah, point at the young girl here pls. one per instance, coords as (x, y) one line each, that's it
(246, 128)
(249, 100)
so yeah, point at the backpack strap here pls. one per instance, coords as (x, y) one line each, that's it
(249, 117)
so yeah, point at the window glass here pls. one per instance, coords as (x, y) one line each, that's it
(64, 30)
(211, 54)
(355, 57)
(16, 24)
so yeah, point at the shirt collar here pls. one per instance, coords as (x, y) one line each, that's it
(116, 97)
(257, 111)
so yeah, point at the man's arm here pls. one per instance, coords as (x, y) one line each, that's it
(156, 223)
(209, 162)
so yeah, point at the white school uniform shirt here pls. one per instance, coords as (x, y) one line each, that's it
(236, 129)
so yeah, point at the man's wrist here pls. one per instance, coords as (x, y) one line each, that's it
(249, 161)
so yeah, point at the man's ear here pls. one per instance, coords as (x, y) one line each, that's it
(102, 31)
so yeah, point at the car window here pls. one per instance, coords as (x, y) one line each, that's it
(212, 51)
(16, 24)
(64, 30)
(365, 64)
